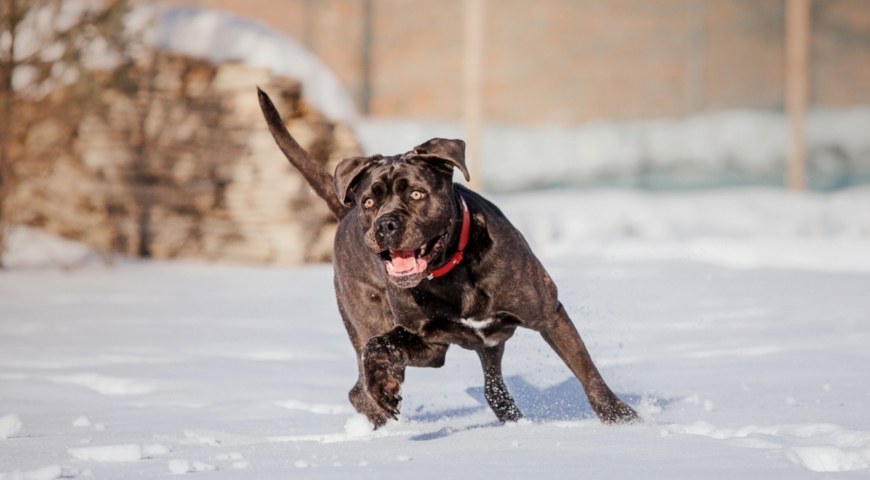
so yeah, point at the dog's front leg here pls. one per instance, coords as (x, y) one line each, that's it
(384, 360)
(561, 335)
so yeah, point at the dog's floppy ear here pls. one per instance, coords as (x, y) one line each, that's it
(442, 149)
(347, 172)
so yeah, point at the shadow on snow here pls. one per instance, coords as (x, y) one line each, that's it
(563, 402)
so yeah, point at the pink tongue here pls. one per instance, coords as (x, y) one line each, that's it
(403, 261)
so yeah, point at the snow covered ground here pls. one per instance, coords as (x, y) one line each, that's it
(734, 321)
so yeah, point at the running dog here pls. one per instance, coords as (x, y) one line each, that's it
(422, 263)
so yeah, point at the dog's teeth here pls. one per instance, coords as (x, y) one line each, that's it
(390, 266)
(415, 261)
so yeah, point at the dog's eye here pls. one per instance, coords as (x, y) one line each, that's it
(417, 195)
(369, 203)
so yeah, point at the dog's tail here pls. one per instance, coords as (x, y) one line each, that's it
(313, 172)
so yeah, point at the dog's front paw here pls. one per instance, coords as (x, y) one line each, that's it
(384, 386)
(363, 404)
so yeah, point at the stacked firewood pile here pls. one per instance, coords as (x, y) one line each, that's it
(170, 157)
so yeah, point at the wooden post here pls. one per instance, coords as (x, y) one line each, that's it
(366, 90)
(472, 86)
(696, 56)
(797, 50)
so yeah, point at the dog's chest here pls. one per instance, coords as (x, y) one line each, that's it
(472, 320)
(479, 327)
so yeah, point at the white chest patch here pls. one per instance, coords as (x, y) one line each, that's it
(477, 326)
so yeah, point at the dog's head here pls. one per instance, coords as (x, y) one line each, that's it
(406, 205)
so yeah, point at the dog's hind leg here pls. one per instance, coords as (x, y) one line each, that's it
(495, 391)
(561, 335)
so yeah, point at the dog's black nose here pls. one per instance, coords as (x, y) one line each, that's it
(387, 226)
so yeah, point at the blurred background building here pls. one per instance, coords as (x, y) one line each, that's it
(572, 61)
(615, 82)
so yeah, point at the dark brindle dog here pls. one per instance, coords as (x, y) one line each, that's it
(422, 263)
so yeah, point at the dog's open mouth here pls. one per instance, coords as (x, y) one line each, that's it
(408, 264)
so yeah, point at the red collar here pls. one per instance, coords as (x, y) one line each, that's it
(463, 241)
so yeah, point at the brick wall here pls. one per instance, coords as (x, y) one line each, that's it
(574, 60)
